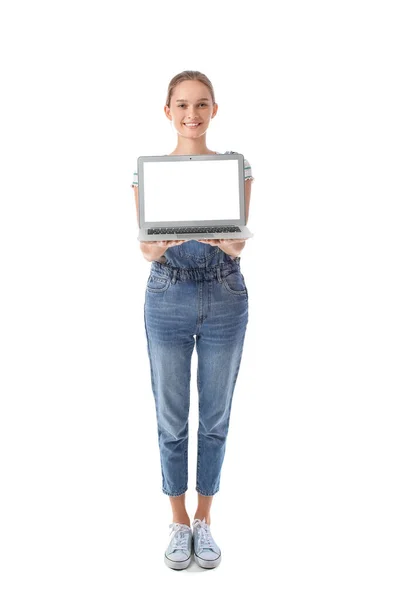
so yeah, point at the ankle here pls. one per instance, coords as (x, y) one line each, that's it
(202, 516)
(183, 519)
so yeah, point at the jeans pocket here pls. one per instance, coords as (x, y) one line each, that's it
(235, 283)
(158, 283)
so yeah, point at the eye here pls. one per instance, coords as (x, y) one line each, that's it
(201, 104)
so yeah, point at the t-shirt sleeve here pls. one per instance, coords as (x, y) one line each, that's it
(247, 167)
(247, 171)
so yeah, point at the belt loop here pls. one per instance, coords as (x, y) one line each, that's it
(174, 273)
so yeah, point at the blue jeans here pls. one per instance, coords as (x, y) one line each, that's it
(207, 305)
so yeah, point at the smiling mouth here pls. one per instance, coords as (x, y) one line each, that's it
(192, 126)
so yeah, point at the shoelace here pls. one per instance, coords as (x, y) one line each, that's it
(204, 532)
(179, 541)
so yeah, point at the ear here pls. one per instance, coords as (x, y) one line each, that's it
(168, 112)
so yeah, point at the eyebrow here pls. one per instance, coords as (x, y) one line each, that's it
(197, 100)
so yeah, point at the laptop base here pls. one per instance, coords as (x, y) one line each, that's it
(244, 234)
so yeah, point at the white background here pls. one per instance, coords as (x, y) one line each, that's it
(309, 93)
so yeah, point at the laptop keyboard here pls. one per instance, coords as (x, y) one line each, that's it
(215, 229)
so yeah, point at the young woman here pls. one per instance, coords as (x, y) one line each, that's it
(195, 292)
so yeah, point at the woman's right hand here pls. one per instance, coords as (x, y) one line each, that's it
(153, 250)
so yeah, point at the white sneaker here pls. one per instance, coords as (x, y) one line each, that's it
(206, 552)
(179, 552)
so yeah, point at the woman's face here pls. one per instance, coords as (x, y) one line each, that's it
(191, 103)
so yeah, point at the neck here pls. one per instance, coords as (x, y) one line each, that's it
(187, 146)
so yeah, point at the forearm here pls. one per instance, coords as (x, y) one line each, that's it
(151, 252)
(233, 249)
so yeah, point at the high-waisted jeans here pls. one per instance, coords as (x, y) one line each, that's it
(206, 304)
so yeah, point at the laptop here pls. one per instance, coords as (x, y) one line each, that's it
(191, 197)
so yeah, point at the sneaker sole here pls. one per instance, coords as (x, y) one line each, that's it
(207, 564)
(177, 566)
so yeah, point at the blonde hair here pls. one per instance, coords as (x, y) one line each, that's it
(184, 76)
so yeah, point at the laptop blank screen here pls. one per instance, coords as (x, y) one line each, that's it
(191, 190)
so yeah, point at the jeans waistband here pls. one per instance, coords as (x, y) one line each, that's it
(196, 273)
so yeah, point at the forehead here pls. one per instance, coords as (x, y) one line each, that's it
(191, 90)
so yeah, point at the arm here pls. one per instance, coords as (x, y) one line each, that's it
(234, 248)
(146, 250)
(247, 194)
(152, 250)
(135, 189)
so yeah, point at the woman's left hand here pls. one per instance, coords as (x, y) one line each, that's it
(231, 247)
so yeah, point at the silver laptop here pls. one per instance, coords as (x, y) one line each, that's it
(198, 196)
